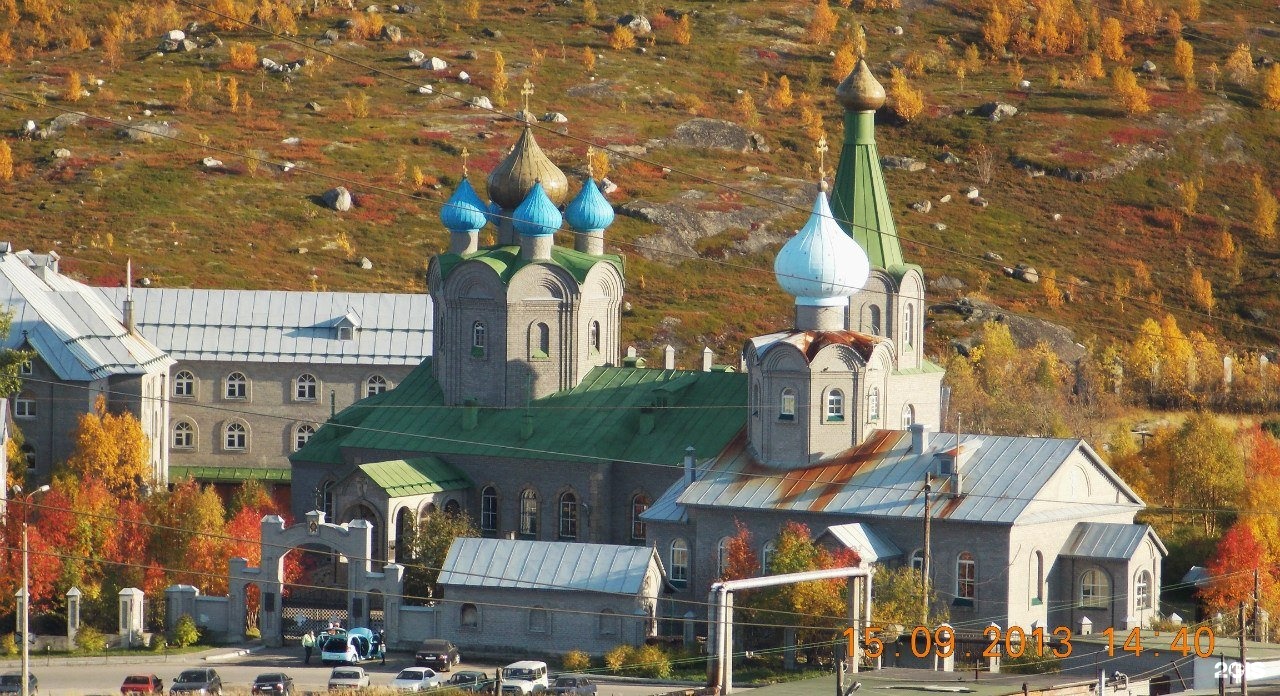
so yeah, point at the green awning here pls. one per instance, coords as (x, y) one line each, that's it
(229, 474)
(417, 476)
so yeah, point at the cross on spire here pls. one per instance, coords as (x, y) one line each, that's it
(526, 91)
(591, 167)
(465, 155)
(821, 148)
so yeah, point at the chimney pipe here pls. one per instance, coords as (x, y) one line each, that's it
(919, 438)
(708, 358)
(690, 469)
(668, 358)
(128, 296)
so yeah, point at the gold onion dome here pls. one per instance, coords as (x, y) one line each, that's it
(512, 180)
(860, 91)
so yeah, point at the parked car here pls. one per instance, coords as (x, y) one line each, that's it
(347, 648)
(11, 683)
(141, 684)
(348, 678)
(572, 685)
(437, 654)
(197, 682)
(416, 679)
(525, 677)
(470, 681)
(274, 683)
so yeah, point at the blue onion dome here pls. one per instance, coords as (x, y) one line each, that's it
(589, 211)
(537, 216)
(464, 212)
(493, 213)
(512, 180)
(821, 265)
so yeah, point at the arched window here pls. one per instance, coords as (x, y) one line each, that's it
(184, 435)
(1095, 588)
(909, 325)
(608, 623)
(236, 437)
(539, 340)
(453, 508)
(917, 560)
(568, 516)
(184, 383)
(1037, 576)
(1142, 590)
(593, 336)
(489, 509)
(873, 404)
(787, 410)
(326, 500)
(722, 556)
(538, 620)
(639, 503)
(766, 555)
(427, 511)
(528, 512)
(835, 405)
(908, 416)
(469, 616)
(237, 386)
(478, 335)
(875, 320)
(24, 406)
(375, 385)
(966, 576)
(304, 388)
(302, 435)
(680, 561)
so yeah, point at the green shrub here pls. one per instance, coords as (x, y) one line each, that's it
(619, 656)
(8, 645)
(185, 632)
(252, 633)
(1031, 664)
(158, 643)
(575, 661)
(650, 661)
(90, 640)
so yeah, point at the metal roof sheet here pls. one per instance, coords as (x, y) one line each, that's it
(228, 473)
(280, 326)
(418, 476)
(550, 565)
(1108, 540)
(856, 536)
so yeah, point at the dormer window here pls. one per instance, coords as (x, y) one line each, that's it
(24, 368)
(345, 327)
(345, 333)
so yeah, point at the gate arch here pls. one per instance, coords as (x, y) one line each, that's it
(353, 540)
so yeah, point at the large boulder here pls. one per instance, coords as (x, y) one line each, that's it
(910, 164)
(638, 24)
(713, 133)
(996, 110)
(436, 64)
(150, 130)
(392, 33)
(338, 199)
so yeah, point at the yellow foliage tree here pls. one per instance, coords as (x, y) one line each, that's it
(822, 25)
(996, 29)
(1265, 209)
(1201, 290)
(588, 58)
(243, 56)
(6, 161)
(471, 8)
(1239, 65)
(1132, 97)
(781, 99)
(1111, 40)
(682, 34)
(1271, 88)
(621, 38)
(1184, 63)
(747, 110)
(1093, 66)
(500, 79)
(110, 447)
(231, 14)
(842, 64)
(233, 94)
(1052, 293)
(1226, 246)
(7, 54)
(908, 102)
(1192, 10)
(589, 10)
(598, 160)
(1173, 24)
(73, 87)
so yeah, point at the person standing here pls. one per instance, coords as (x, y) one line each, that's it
(308, 644)
(382, 645)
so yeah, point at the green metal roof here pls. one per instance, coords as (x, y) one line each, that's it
(860, 200)
(506, 260)
(224, 474)
(613, 415)
(926, 367)
(417, 476)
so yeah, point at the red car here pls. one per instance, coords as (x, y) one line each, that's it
(141, 684)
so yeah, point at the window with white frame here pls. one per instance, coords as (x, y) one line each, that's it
(1036, 576)
(835, 405)
(24, 368)
(568, 516)
(966, 576)
(302, 435)
(787, 408)
(917, 560)
(375, 385)
(237, 386)
(24, 406)
(873, 404)
(909, 325)
(908, 416)
(184, 383)
(184, 435)
(235, 437)
(1095, 588)
(478, 335)
(489, 509)
(639, 503)
(1142, 591)
(680, 561)
(529, 512)
(304, 388)
(767, 552)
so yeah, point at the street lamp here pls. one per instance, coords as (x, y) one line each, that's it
(26, 587)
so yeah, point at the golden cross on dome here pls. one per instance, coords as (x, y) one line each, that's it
(465, 155)
(591, 167)
(526, 91)
(821, 148)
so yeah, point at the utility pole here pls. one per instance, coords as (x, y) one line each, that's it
(924, 566)
(1244, 664)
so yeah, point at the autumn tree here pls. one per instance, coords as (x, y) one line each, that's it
(822, 25)
(590, 12)
(741, 560)
(747, 110)
(682, 32)
(1111, 40)
(588, 59)
(1239, 555)
(621, 38)
(427, 544)
(110, 446)
(781, 99)
(233, 94)
(1239, 65)
(1184, 63)
(242, 56)
(1201, 290)
(908, 102)
(1093, 66)
(74, 89)
(1271, 88)
(500, 79)
(1265, 209)
(1133, 99)
(189, 536)
(996, 29)
(1192, 10)
(1189, 193)
(842, 64)
(1173, 24)
(898, 598)
(6, 161)
(1198, 466)
(1052, 293)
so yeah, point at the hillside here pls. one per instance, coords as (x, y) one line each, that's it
(1074, 186)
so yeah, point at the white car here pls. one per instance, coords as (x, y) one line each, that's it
(348, 678)
(416, 679)
(524, 678)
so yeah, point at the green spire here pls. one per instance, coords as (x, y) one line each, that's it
(860, 200)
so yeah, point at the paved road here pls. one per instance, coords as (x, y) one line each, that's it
(104, 679)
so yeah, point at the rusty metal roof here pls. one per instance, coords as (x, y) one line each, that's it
(811, 342)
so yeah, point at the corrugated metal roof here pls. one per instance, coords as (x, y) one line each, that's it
(882, 478)
(73, 329)
(597, 421)
(229, 473)
(809, 343)
(281, 326)
(551, 565)
(418, 476)
(856, 536)
(1107, 540)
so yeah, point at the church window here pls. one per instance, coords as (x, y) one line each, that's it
(304, 388)
(184, 435)
(917, 560)
(593, 336)
(539, 340)
(25, 368)
(966, 576)
(302, 435)
(680, 562)
(1095, 588)
(184, 383)
(1142, 591)
(835, 405)
(469, 616)
(452, 508)
(873, 404)
(478, 336)
(766, 555)
(568, 516)
(908, 416)
(909, 325)
(639, 503)
(236, 437)
(875, 320)
(375, 385)
(237, 386)
(722, 557)
(537, 620)
(489, 509)
(1037, 577)
(788, 407)
(528, 512)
